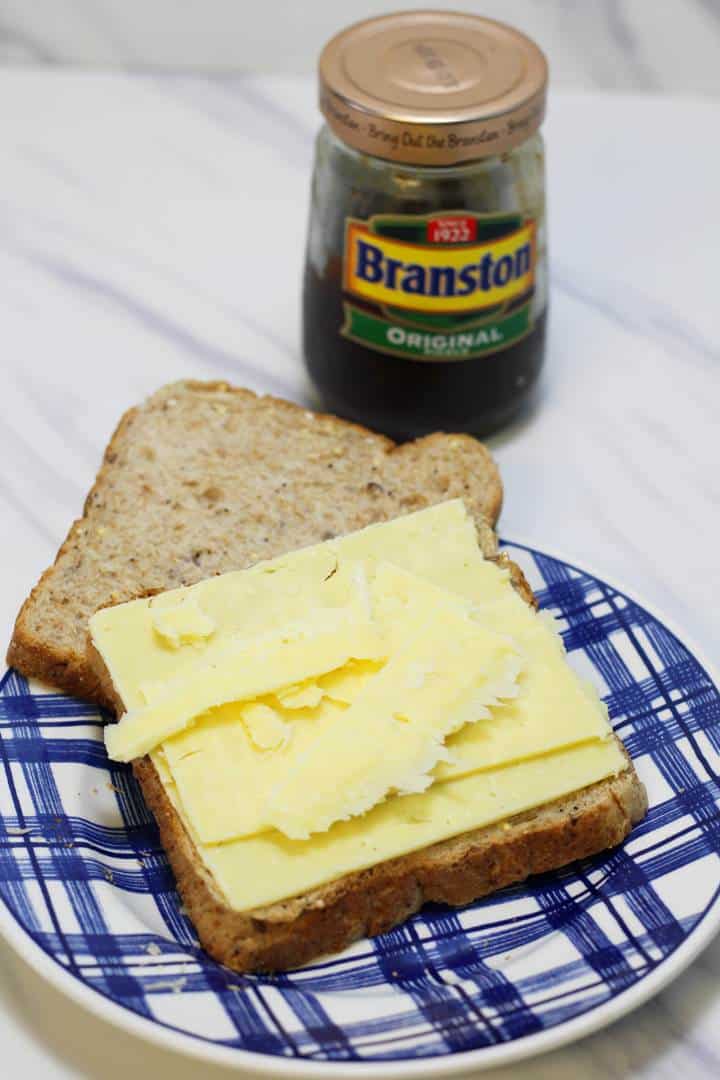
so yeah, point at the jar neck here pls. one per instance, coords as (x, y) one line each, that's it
(330, 142)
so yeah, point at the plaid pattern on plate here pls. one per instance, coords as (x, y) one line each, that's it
(82, 872)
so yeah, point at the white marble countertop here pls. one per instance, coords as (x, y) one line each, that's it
(134, 215)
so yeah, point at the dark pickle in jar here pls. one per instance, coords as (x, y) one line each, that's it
(424, 301)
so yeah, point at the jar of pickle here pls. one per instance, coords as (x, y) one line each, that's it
(425, 288)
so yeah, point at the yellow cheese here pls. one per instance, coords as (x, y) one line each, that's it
(244, 670)
(305, 695)
(266, 730)
(269, 714)
(553, 709)
(432, 543)
(183, 624)
(223, 777)
(344, 685)
(246, 607)
(445, 671)
(269, 867)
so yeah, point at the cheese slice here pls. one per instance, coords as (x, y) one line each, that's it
(553, 709)
(304, 695)
(266, 730)
(338, 761)
(444, 674)
(437, 545)
(245, 607)
(343, 685)
(223, 774)
(270, 595)
(444, 671)
(245, 670)
(263, 869)
(182, 624)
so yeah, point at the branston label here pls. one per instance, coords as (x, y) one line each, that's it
(435, 278)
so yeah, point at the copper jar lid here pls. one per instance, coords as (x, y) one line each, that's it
(432, 87)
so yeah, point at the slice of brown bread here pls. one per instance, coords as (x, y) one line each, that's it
(205, 478)
(368, 902)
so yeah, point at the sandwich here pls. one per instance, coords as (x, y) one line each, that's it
(338, 699)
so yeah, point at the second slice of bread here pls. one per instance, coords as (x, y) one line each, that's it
(204, 478)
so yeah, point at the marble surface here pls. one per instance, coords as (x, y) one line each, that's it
(670, 45)
(135, 220)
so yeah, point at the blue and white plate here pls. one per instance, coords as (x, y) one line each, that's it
(89, 899)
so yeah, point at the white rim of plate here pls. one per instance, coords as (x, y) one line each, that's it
(507, 1053)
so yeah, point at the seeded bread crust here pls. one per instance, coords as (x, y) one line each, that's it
(204, 478)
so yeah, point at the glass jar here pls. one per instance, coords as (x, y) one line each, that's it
(425, 286)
